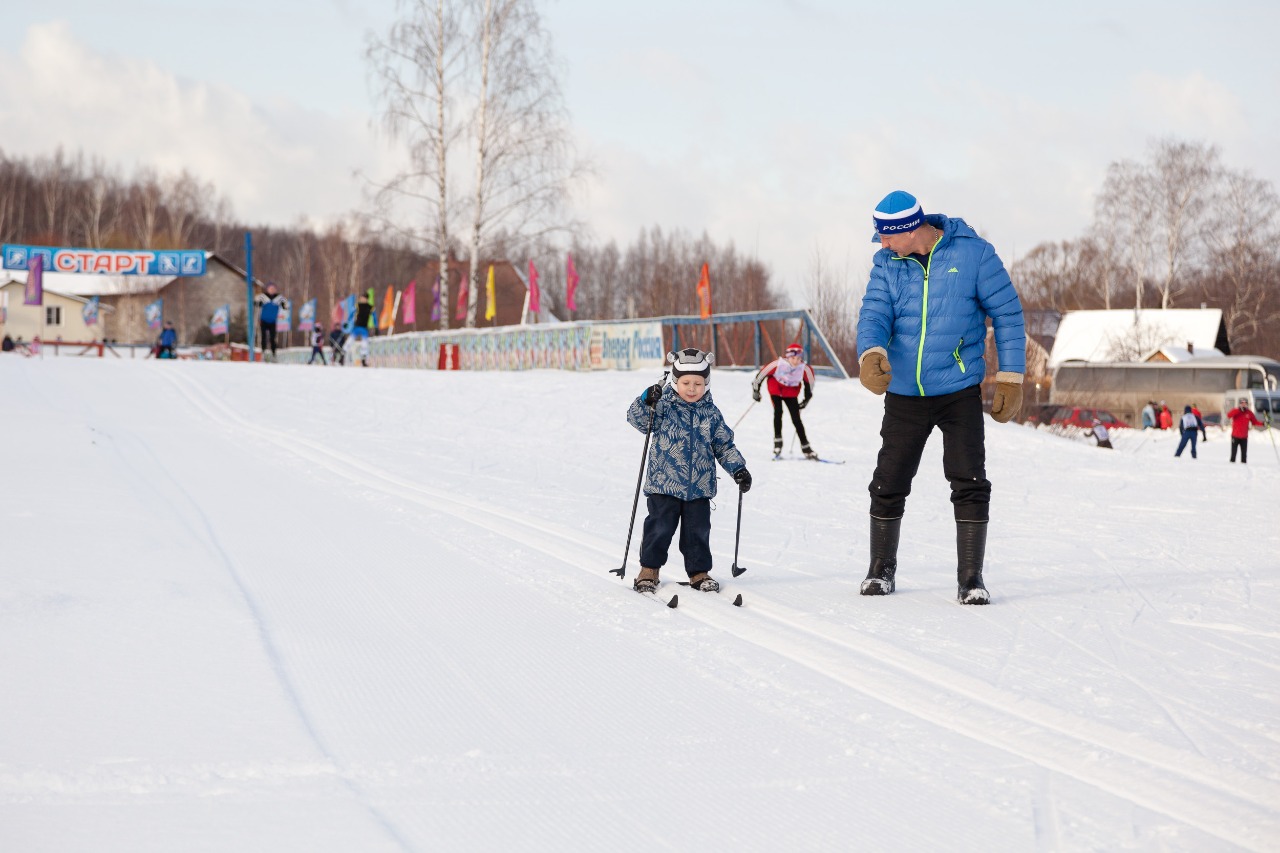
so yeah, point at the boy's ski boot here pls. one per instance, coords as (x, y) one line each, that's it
(704, 582)
(777, 448)
(808, 452)
(646, 581)
(884, 556)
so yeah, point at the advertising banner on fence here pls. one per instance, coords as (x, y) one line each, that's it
(177, 262)
(627, 346)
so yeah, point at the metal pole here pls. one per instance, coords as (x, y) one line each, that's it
(248, 289)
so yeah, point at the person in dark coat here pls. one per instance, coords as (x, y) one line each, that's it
(269, 304)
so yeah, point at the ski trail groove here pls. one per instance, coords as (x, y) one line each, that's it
(1231, 805)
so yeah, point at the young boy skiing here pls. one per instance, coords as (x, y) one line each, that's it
(786, 376)
(690, 437)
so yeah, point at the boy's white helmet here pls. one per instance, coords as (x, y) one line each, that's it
(691, 362)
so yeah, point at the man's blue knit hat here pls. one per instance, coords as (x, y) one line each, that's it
(897, 213)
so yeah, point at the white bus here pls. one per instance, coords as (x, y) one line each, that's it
(1123, 388)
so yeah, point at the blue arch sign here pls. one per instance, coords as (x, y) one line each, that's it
(175, 262)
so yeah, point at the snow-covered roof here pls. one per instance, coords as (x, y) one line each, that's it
(14, 281)
(80, 284)
(1180, 355)
(1129, 335)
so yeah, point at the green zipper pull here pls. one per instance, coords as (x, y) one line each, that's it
(956, 356)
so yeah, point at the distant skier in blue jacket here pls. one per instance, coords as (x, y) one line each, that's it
(269, 303)
(922, 337)
(689, 438)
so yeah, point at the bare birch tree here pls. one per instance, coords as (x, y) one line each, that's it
(1181, 178)
(418, 69)
(524, 164)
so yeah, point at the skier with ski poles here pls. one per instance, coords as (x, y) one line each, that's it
(787, 375)
(921, 337)
(691, 436)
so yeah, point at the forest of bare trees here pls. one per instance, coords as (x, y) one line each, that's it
(1176, 230)
(65, 200)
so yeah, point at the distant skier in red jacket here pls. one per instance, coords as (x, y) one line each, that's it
(787, 375)
(1241, 418)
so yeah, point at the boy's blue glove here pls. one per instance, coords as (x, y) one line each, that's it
(743, 479)
(653, 395)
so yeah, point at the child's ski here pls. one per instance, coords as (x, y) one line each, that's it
(805, 459)
(672, 603)
(737, 601)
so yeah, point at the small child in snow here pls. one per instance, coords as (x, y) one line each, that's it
(786, 375)
(1100, 433)
(689, 438)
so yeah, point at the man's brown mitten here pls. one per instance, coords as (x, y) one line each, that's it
(1008, 397)
(873, 371)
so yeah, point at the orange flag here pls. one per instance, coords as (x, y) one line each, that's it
(387, 315)
(704, 293)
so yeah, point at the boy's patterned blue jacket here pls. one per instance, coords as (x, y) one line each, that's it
(688, 439)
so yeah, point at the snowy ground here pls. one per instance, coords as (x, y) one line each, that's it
(263, 608)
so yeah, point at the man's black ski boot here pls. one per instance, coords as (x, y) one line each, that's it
(646, 581)
(808, 451)
(777, 447)
(971, 548)
(884, 556)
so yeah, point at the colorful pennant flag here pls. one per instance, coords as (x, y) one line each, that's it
(154, 314)
(307, 316)
(704, 293)
(490, 303)
(463, 287)
(571, 280)
(348, 315)
(221, 319)
(34, 293)
(410, 304)
(284, 320)
(90, 312)
(435, 301)
(373, 315)
(534, 293)
(387, 315)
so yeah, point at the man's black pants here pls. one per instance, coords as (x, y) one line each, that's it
(908, 422)
(694, 520)
(1243, 445)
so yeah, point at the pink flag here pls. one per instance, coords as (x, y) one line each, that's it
(435, 301)
(410, 304)
(534, 293)
(462, 298)
(34, 293)
(571, 278)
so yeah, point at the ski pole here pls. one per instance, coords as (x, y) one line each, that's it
(737, 535)
(621, 571)
(744, 414)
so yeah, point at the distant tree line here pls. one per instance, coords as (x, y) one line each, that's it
(1176, 230)
(71, 200)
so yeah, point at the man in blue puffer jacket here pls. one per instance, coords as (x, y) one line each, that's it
(922, 336)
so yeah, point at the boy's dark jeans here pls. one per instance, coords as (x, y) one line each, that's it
(908, 421)
(694, 520)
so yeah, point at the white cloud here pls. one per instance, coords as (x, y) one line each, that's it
(275, 161)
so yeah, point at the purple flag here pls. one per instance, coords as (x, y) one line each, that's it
(435, 301)
(34, 294)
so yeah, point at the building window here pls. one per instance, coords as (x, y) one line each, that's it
(53, 315)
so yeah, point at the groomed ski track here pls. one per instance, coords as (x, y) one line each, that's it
(798, 653)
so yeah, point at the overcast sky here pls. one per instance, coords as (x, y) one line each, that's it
(777, 125)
